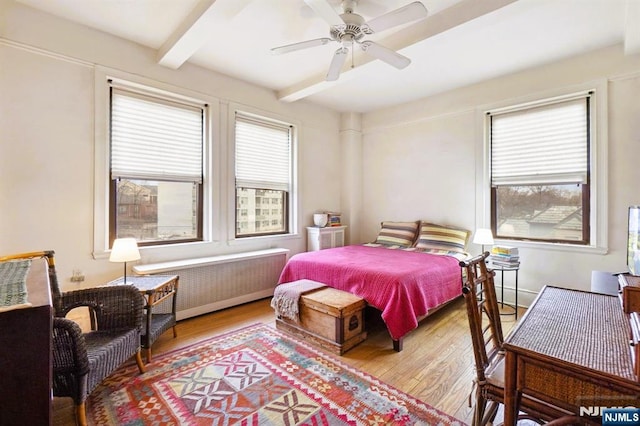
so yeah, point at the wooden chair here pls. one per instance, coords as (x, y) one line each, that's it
(81, 360)
(487, 338)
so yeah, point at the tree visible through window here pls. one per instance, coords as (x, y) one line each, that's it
(156, 168)
(540, 177)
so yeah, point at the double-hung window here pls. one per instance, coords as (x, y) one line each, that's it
(540, 171)
(156, 167)
(263, 175)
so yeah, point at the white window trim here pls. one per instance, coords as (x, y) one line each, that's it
(211, 159)
(598, 164)
(294, 201)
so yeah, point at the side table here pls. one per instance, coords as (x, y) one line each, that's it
(155, 289)
(502, 269)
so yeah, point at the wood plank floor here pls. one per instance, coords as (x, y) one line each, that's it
(435, 366)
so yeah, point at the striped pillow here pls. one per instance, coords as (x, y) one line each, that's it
(438, 237)
(397, 233)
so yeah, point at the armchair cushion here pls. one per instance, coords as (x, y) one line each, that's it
(108, 350)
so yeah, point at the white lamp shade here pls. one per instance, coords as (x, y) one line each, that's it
(124, 250)
(483, 236)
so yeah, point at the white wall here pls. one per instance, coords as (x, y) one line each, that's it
(47, 120)
(421, 161)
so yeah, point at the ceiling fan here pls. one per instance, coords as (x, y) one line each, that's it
(349, 29)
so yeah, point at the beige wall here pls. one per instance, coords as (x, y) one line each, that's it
(422, 160)
(47, 132)
(419, 160)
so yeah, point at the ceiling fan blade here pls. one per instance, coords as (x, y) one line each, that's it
(385, 54)
(402, 15)
(336, 64)
(323, 9)
(301, 45)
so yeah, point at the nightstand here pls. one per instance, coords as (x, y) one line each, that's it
(156, 289)
(324, 238)
(502, 270)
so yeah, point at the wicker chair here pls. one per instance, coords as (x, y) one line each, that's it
(82, 360)
(487, 338)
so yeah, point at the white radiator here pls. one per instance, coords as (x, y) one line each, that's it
(212, 283)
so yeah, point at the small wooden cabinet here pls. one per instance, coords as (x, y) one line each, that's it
(629, 292)
(324, 238)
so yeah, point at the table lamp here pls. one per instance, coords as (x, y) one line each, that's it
(124, 250)
(483, 236)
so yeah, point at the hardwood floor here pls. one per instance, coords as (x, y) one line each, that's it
(435, 366)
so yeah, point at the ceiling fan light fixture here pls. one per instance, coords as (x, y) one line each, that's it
(349, 28)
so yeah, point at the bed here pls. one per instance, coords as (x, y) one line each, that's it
(410, 270)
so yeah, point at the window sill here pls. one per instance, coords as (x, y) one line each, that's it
(263, 238)
(574, 248)
(181, 248)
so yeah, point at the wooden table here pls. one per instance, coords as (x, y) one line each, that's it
(571, 349)
(156, 289)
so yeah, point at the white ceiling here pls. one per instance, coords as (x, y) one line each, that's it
(461, 42)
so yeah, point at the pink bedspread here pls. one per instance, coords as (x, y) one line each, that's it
(404, 285)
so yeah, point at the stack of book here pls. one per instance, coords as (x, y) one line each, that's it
(504, 256)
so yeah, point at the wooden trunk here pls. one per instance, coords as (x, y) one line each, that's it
(329, 318)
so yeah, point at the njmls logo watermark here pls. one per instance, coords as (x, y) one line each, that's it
(614, 416)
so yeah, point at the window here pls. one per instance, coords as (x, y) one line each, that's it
(263, 165)
(540, 173)
(156, 167)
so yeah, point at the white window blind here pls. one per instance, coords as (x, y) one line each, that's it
(541, 145)
(263, 154)
(153, 138)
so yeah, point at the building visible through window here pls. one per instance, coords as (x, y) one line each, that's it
(156, 168)
(263, 164)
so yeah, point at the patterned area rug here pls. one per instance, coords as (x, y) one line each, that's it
(253, 376)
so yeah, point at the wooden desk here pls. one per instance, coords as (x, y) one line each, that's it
(571, 349)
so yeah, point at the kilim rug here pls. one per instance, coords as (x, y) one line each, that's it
(253, 376)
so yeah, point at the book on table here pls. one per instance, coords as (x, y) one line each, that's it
(504, 264)
(504, 256)
(504, 250)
